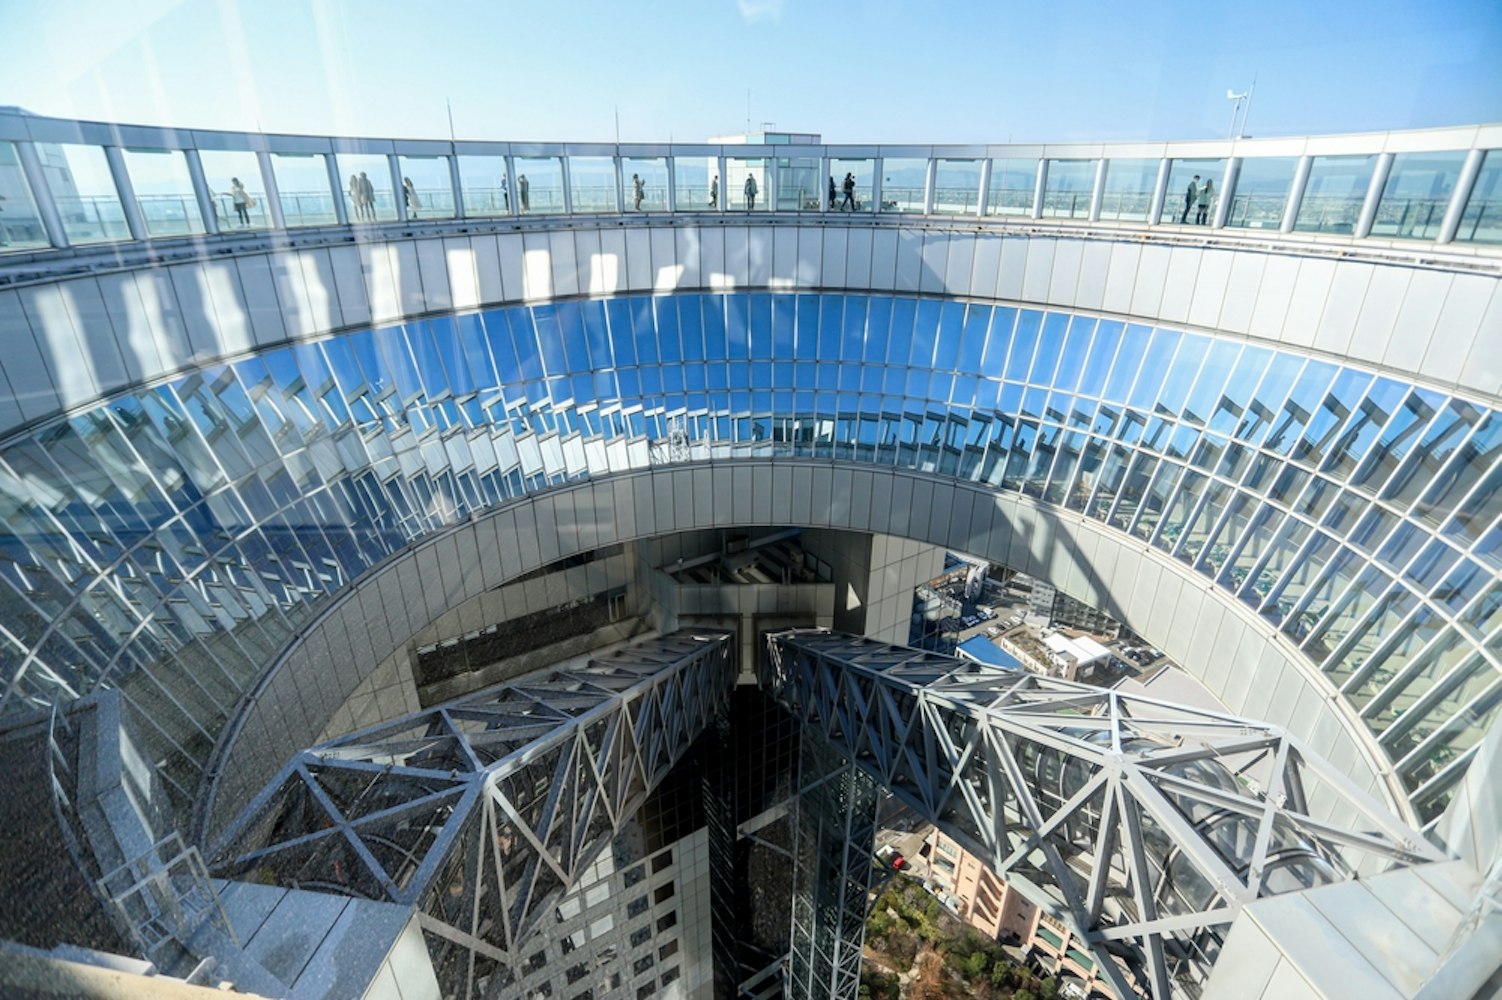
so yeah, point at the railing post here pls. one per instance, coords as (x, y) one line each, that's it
(201, 192)
(1160, 192)
(1373, 196)
(509, 187)
(127, 193)
(985, 187)
(1040, 185)
(1465, 184)
(273, 195)
(331, 167)
(1097, 190)
(1296, 193)
(36, 178)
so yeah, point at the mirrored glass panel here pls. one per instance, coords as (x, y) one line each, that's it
(482, 184)
(957, 187)
(1261, 194)
(799, 186)
(1013, 184)
(427, 187)
(1332, 200)
(164, 191)
(1482, 220)
(84, 192)
(645, 183)
(539, 184)
(1066, 194)
(592, 183)
(748, 180)
(853, 179)
(302, 185)
(20, 226)
(239, 194)
(1191, 186)
(903, 184)
(1416, 194)
(1129, 189)
(696, 183)
(367, 187)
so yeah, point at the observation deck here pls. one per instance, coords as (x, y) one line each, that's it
(1268, 440)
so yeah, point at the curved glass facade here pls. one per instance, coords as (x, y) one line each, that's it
(170, 540)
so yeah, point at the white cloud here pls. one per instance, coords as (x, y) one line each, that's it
(760, 10)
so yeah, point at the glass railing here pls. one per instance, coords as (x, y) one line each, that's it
(1427, 193)
(91, 219)
(170, 215)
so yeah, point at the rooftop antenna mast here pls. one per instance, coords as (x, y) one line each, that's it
(450, 105)
(1231, 95)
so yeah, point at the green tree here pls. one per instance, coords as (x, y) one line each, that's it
(1050, 988)
(975, 965)
(1024, 995)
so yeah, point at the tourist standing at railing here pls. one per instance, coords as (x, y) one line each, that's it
(1190, 197)
(831, 192)
(241, 199)
(638, 192)
(413, 202)
(367, 196)
(1202, 217)
(523, 191)
(356, 197)
(750, 192)
(714, 192)
(849, 186)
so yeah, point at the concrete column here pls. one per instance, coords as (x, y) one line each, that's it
(1160, 191)
(36, 179)
(273, 196)
(341, 210)
(1464, 185)
(1227, 190)
(1373, 196)
(1098, 189)
(1296, 193)
(456, 185)
(1039, 186)
(985, 187)
(127, 193)
(201, 192)
(399, 192)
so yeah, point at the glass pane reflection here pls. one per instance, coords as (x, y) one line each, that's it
(482, 182)
(164, 191)
(1333, 198)
(84, 192)
(239, 195)
(1261, 195)
(539, 184)
(1012, 186)
(904, 184)
(20, 225)
(1066, 193)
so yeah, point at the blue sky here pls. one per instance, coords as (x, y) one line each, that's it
(888, 70)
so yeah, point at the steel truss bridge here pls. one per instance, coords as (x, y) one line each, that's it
(482, 812)
(1143, 825)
